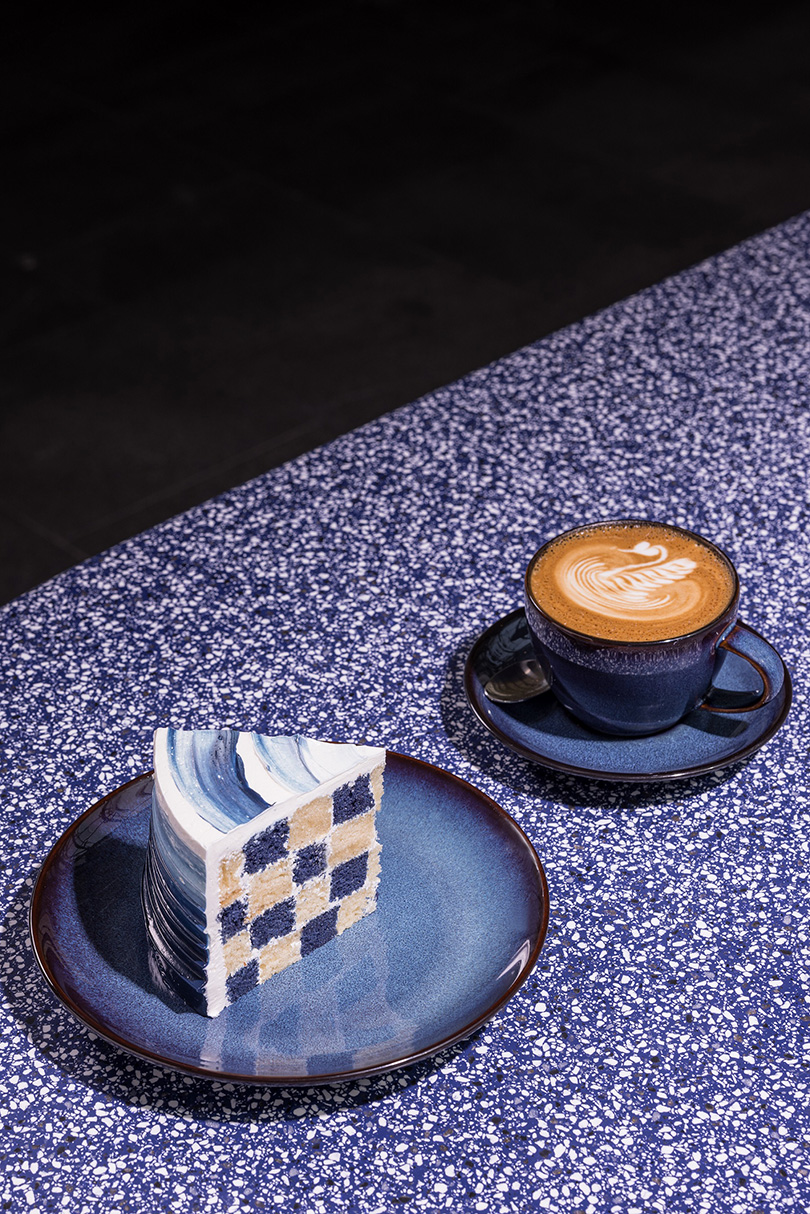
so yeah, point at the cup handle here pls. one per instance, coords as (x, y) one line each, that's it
(739, 701)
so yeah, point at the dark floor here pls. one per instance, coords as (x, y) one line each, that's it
(228, 238)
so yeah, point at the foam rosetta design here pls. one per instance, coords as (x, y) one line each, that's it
(606, 582)
(260, 851)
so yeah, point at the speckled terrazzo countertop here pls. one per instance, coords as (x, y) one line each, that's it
(653, 1060)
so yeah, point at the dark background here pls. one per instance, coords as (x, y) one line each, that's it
(229, 236)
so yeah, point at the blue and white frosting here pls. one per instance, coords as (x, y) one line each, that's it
(230, 778)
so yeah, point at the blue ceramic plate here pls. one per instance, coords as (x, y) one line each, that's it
(542, 730)
(461, 916)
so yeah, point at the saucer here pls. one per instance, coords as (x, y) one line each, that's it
(461, 917)
(542, 730)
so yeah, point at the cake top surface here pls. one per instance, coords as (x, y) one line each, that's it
(228, 777)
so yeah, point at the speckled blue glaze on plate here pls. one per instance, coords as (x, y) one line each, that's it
(540, 729)
(462, 913)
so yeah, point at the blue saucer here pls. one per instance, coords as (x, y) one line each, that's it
(543, 731)
(460, 921)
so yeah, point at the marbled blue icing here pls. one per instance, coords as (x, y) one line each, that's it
(208, 772)
(288, 760)
(653, 1061)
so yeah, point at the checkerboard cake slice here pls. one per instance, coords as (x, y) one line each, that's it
(261, 849)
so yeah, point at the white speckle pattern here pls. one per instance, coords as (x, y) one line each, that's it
(654, 1059)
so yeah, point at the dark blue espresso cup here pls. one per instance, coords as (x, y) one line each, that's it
(632, 688)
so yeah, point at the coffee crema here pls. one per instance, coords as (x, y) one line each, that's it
(631, 581)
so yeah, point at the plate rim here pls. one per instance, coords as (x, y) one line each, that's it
(685, 773)
(297, 1081)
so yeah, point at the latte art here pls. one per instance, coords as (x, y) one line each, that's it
(650, 583)
(631, 581)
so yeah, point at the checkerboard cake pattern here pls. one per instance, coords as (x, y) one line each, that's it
(261, 850)
(299, 883)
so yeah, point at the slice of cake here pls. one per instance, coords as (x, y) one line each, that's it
(260, 851)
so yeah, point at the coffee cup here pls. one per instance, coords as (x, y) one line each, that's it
(631, 619)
